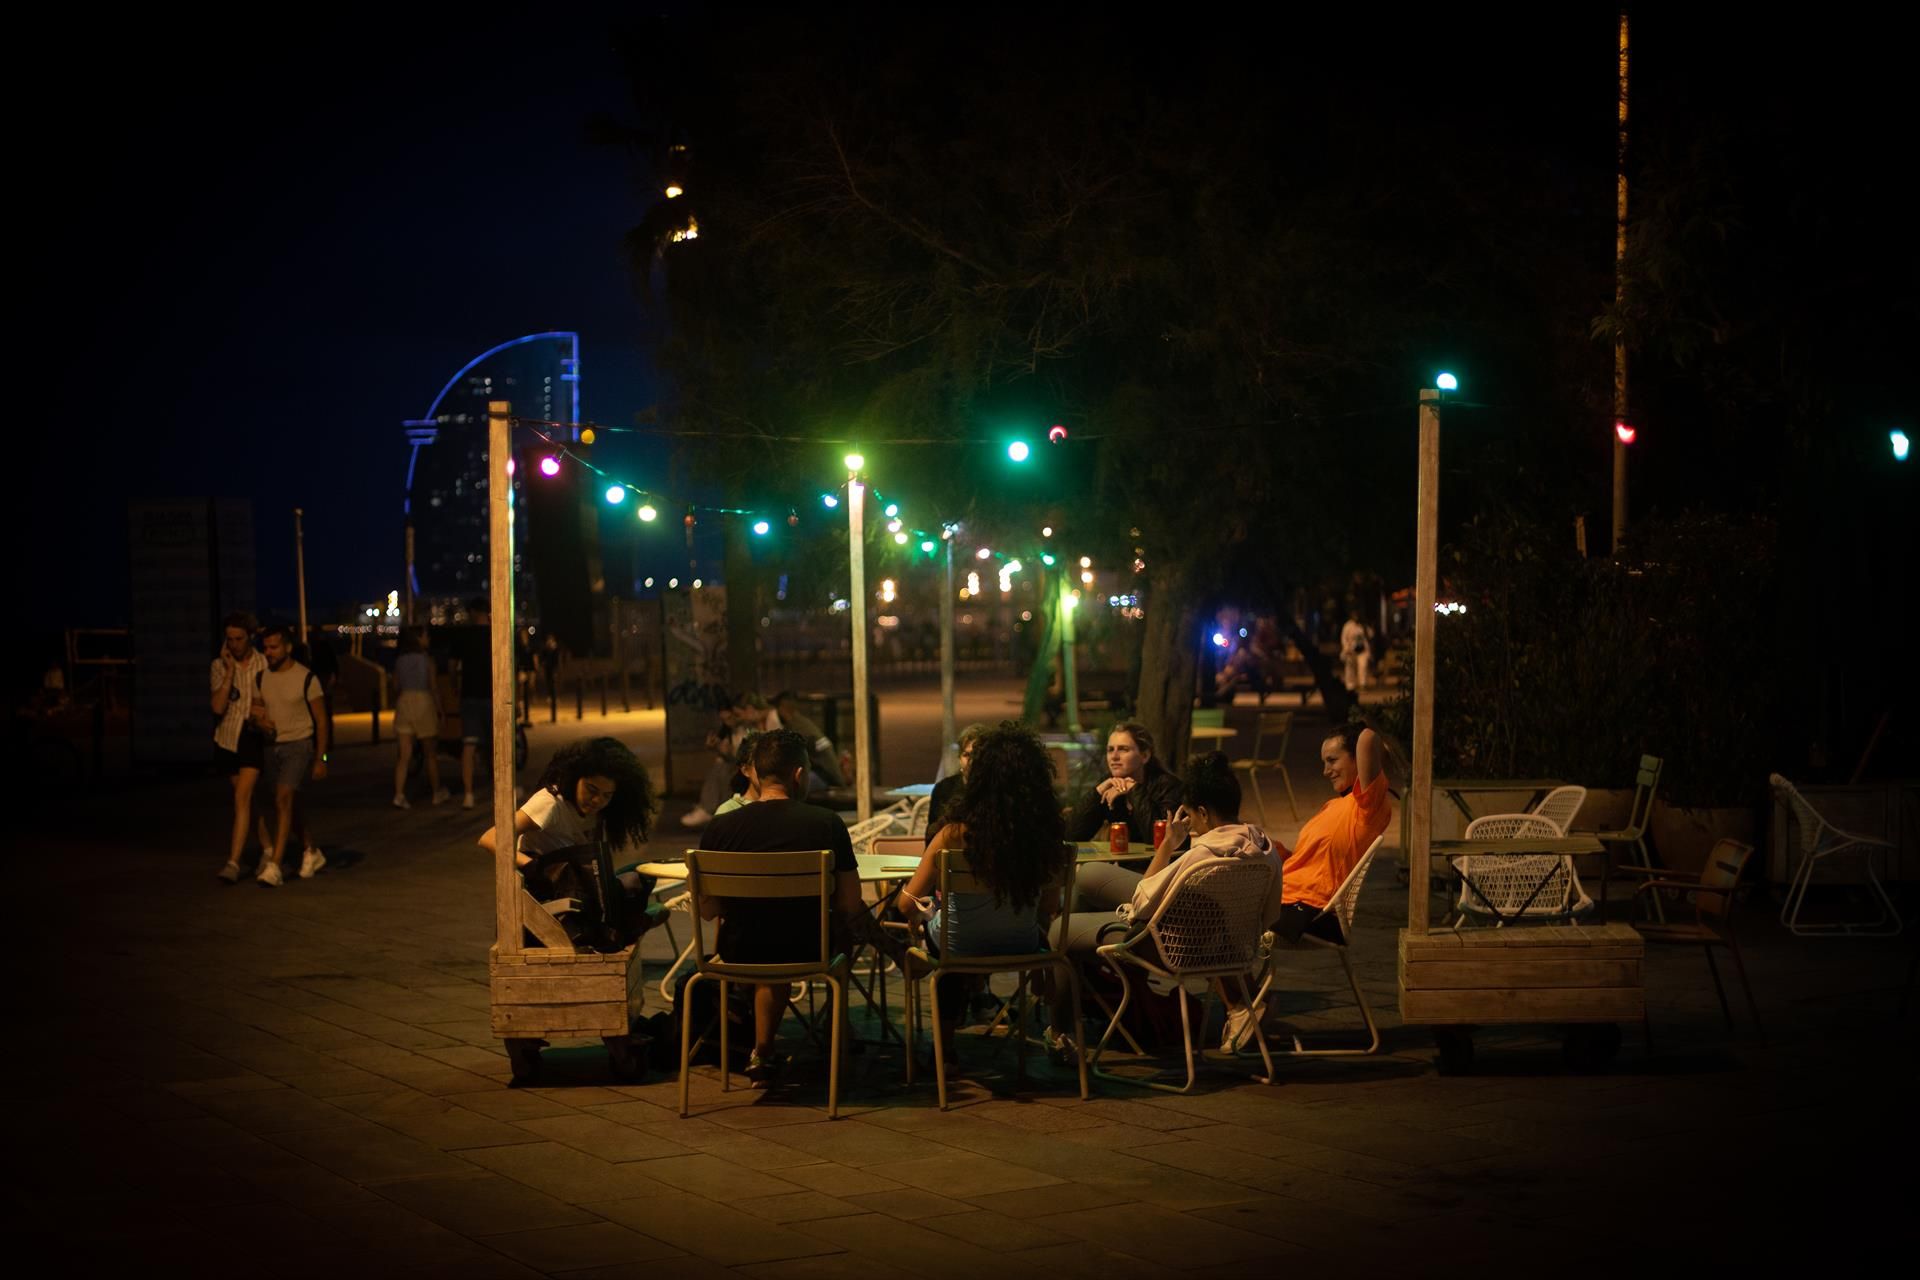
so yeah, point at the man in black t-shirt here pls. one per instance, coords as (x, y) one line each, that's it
(773, 931)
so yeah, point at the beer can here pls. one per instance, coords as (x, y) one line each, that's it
(1159, 832)
(1117, 838)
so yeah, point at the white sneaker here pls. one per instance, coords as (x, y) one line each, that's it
(1240, 1025)
(401, 802)
(442, 796)
(311, 861)
(466, 801)
(269, 875)
(696, 817)
(230, 873)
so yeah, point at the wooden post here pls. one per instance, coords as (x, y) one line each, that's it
(506, 880)
(949, 758)
(1426, 576)
(857, 599)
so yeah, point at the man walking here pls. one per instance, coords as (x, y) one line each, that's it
(472, 646)
(239, 749)
(290, 708)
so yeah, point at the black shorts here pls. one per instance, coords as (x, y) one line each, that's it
(251, 755)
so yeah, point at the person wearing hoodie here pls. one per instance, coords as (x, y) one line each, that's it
(1211, 819)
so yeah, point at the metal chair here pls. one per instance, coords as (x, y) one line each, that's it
(957, 877)
(1340, 909)
(1646, 783)
(797, 876)
(1713, 891)
(1513, 886)
(1559, 805)
(1820, 839)
(1208, 927)
(1271, 731)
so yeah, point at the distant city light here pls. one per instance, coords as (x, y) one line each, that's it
(1086, 577)
(887, 590)
(1624, 433)
(1013, 566)
(900, 538)
(616, 494)
(649, 582)
(1243, 633)
(1046, 531)
(1447, 382)
(828, 501)
(549, 466)
(1086, 562)
(673, 191)
(928, 546)
(673, 582)
(1046, 558)
(1898, 439)
(855, 462)
(760, 528)
(1219, 640)
(1018, 451)
(648, 512)
(1449, 607)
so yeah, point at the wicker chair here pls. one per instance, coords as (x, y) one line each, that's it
(1210, 926)
(1559, 805)
(1270, 735)
(1820, 840)
(1513, 886)
(1340, 909)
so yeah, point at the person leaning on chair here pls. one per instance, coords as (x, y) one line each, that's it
(1331, 842)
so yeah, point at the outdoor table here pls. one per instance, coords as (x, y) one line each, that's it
(911, 791)
(1458, 789)
(1213, 732)
(1574, 845)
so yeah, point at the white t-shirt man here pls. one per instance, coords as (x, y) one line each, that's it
(288, 693)
(558, 825)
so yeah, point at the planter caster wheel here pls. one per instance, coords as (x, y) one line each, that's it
(624, 1056)
(1456, 1050)
(524, 1057)
(1589, 1046)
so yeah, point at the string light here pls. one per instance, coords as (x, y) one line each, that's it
(900, 538)
(760, 528)
(648, 512)
(828, 501)
(616, 494)
(586, 435)
(549, 466)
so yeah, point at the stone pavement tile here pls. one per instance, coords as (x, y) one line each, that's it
(991, 1230)
(1297, 1154)
(1079, 1259)
(509, 1104)
(276, 1058)
(465, 1032)
(879, 1236)
(603, 1138)
(797, 1206)
(267, 1111)
(681, 1266)
(337, 1081)
(196, 1133)
(1535, 1135)
(958, 1173)
(850, 1142)
(468, 995)
(1135, 1178)
(767, 1113)
(1060, 1198)
(750, 1152)
(635, 1112)
(1300, 1223)
(1123, 1111)
(833, 1266)
(598, 1244)
(469, 1057)
(902, 1201)
(1171, 1239)
(570, 1175)
(838, 1179)
(579, 1096)
(246, 1082)
(718, 1233)
(1036, 1116)
(290, 1177)
(434, 1120)
(477, 1204)
(1120, 1137)
(1216, 1161)
(707, 1175)
(361, 1151)
(1388, 1142)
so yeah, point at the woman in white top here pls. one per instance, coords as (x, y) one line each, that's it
(416, 716)
(238, 747)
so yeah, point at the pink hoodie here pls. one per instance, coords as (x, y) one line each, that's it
(1228, 840)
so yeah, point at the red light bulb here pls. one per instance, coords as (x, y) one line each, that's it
(1056, 433)
(1624, 432)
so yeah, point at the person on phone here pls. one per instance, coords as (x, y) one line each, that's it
(239, 748)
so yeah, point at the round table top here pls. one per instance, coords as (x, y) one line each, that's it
(1217, 732)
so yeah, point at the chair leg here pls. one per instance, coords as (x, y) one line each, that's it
(1259, 1036)
(1718, 988)
(685, 955)
(939, 1040)
(1186, 1036)
(686, 1040)
(1360, 998)
(1740, 967)
(1293, 805)
(1114, 1016)
(1079, 1034)
(726, 1057)
(1020, 1029)
(839, 1015)
(1253, 785)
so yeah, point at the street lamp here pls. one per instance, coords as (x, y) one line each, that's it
(1446, 382)
(1018, 451)
(1901, 445)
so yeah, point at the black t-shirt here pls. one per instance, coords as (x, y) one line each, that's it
(946, 794)
(473, 646)
(757, 931)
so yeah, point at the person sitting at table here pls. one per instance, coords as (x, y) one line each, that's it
(946, 792)
(1333, 839)
(1008, 823)
(1211, 818)
(1137, 790)
(746, 783)
(826, 759)
(781, 931)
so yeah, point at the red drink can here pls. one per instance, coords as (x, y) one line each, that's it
(1159, 832)
(1117, 838)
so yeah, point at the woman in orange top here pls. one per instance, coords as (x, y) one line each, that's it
(1331, 842)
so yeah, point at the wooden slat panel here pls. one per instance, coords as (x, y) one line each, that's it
(1494, 1005)
(1454, 975)
(1516, 958)
(560, 1019)
(561, 988)
(733, 886)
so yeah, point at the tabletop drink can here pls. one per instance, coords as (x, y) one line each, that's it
(1159, 832)
(1117, 838)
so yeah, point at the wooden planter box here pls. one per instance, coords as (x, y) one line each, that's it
(1553, 973)
(543, 993)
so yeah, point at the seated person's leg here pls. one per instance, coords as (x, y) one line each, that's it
(1103, 886)
(1298, 919)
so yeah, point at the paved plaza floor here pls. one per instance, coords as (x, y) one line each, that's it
(294, 1082)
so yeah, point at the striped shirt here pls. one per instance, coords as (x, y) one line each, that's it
(226, 734)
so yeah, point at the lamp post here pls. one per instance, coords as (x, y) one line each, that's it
(300, 569)
(857, 599)
(949, 758)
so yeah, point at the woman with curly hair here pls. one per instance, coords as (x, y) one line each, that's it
(1007, 821)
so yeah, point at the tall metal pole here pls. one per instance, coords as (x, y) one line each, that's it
(857, 598)
(506, 881)
(406, 584)
(1619, 295)
(949, 756)
(1426, 584)
(1070, 679)
(300, 569)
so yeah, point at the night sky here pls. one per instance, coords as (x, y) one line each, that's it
(254, 270)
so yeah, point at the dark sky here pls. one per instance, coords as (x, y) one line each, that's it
(255, 268)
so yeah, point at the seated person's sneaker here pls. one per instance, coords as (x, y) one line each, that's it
(763, 1071)
(1240, 1025)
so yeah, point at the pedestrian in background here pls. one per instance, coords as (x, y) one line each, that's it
(1356, 653)
(289, 708)
(239, 747)
(416, 716)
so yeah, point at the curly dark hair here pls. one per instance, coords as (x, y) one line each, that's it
(629, 815)
(1014, 826)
